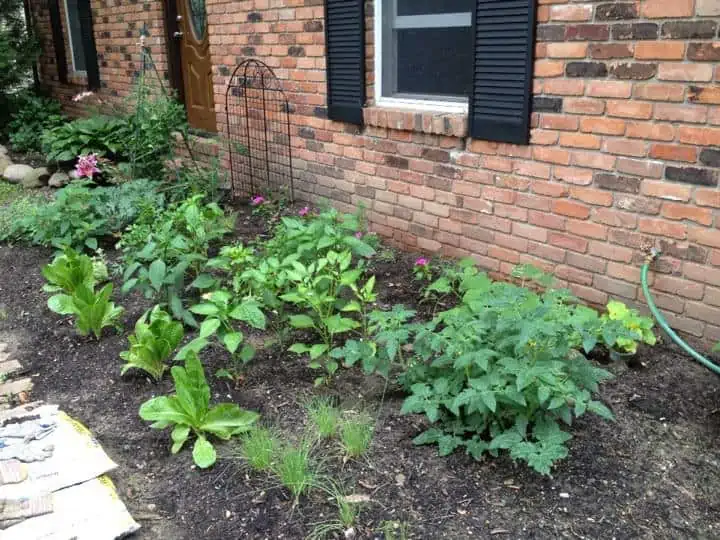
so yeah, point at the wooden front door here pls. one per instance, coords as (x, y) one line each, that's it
(196, 66)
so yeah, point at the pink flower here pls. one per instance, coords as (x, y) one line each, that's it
(422, 261)
(358, 235)
(304, 211)
(257, 200)
(87, 166)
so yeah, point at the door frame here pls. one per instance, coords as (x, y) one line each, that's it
(175, 70)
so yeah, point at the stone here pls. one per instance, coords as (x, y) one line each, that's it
(59, 179)
(4, 163)
(15, 173)
(3, 150)
(36, 178)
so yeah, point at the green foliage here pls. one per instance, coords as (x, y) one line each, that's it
(156, 337)
(637, 327)
(163, 249)
(324, 417)
(196, 179)
(18, 49)
(17, 204)
(92, 310)
(81, 214)
(220, 310)
(188, 412)
(451, 278)
(101, 135)
(502, 369)
(258, 448)
(387, 334)
(356, 433)
(317, 289)
(155, 118)
(295, 468)
(33, 115)
(68, 271)
(716, 348)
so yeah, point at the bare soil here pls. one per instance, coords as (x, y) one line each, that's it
(654, 473)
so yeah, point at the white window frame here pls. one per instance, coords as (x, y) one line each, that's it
(429, 105)
(70, 41)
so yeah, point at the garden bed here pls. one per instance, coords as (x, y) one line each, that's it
(654, 473)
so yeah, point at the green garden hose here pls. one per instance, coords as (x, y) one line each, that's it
(664, 325)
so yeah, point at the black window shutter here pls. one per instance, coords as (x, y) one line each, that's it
(88, 43)
(58, 40)
(345, 49)
(503, 70)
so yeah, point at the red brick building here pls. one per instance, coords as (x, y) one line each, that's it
(565, 133)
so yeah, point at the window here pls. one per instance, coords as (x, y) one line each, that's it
(424, 53)
(77, 51)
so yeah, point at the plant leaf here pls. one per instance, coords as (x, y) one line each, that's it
(204, 454)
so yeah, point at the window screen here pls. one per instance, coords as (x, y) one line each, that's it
(427, 49)
(76, 43)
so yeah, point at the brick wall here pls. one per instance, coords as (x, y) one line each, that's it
(625, 146)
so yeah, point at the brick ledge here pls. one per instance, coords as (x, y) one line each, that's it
(436, 123)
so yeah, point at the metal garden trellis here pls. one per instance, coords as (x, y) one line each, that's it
(258, 131)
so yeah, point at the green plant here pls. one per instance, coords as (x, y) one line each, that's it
(162, 249)
(220, 309)
(18, 205)
(33, 115)
(188, 412)
(395, 530)
(258, 447)
(639, 328)
(68, 271)
(196, 179)
(317, 289)
(92, 310)
(324, 417)
(387, 333)
(348, 511)
(502, 369)
(18, 50)
(356, 433)
(716, 348)
(80, 214)
(295, 468)
(100, 135)
(156, 337)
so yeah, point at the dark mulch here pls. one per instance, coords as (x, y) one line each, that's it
(654, 473)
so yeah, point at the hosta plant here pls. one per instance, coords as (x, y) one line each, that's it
(92, 310)
(189, 413)
(156, 337)
(502, 372)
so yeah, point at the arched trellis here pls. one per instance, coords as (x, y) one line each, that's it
(258, 130)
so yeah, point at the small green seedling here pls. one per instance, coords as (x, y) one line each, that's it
(356, 433)
(258, 447)
(295, 469)
(324, 417)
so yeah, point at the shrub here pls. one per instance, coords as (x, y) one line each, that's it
(33, 115)
(502, 369)
(18, 49)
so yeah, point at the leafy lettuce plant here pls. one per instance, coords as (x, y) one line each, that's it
(68, 271)
(92, 310)
(156, 337)
(189, 413)
(503, 371)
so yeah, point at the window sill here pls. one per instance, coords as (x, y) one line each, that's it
(451, 124)
(77, 78)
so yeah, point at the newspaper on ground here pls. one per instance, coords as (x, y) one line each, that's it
(88, 511)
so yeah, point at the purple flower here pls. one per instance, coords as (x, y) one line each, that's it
(257, 200)
(304, 211)
(358, 235)
(422, 261)
(87, 166)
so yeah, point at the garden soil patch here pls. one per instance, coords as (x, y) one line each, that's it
(654, 473)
